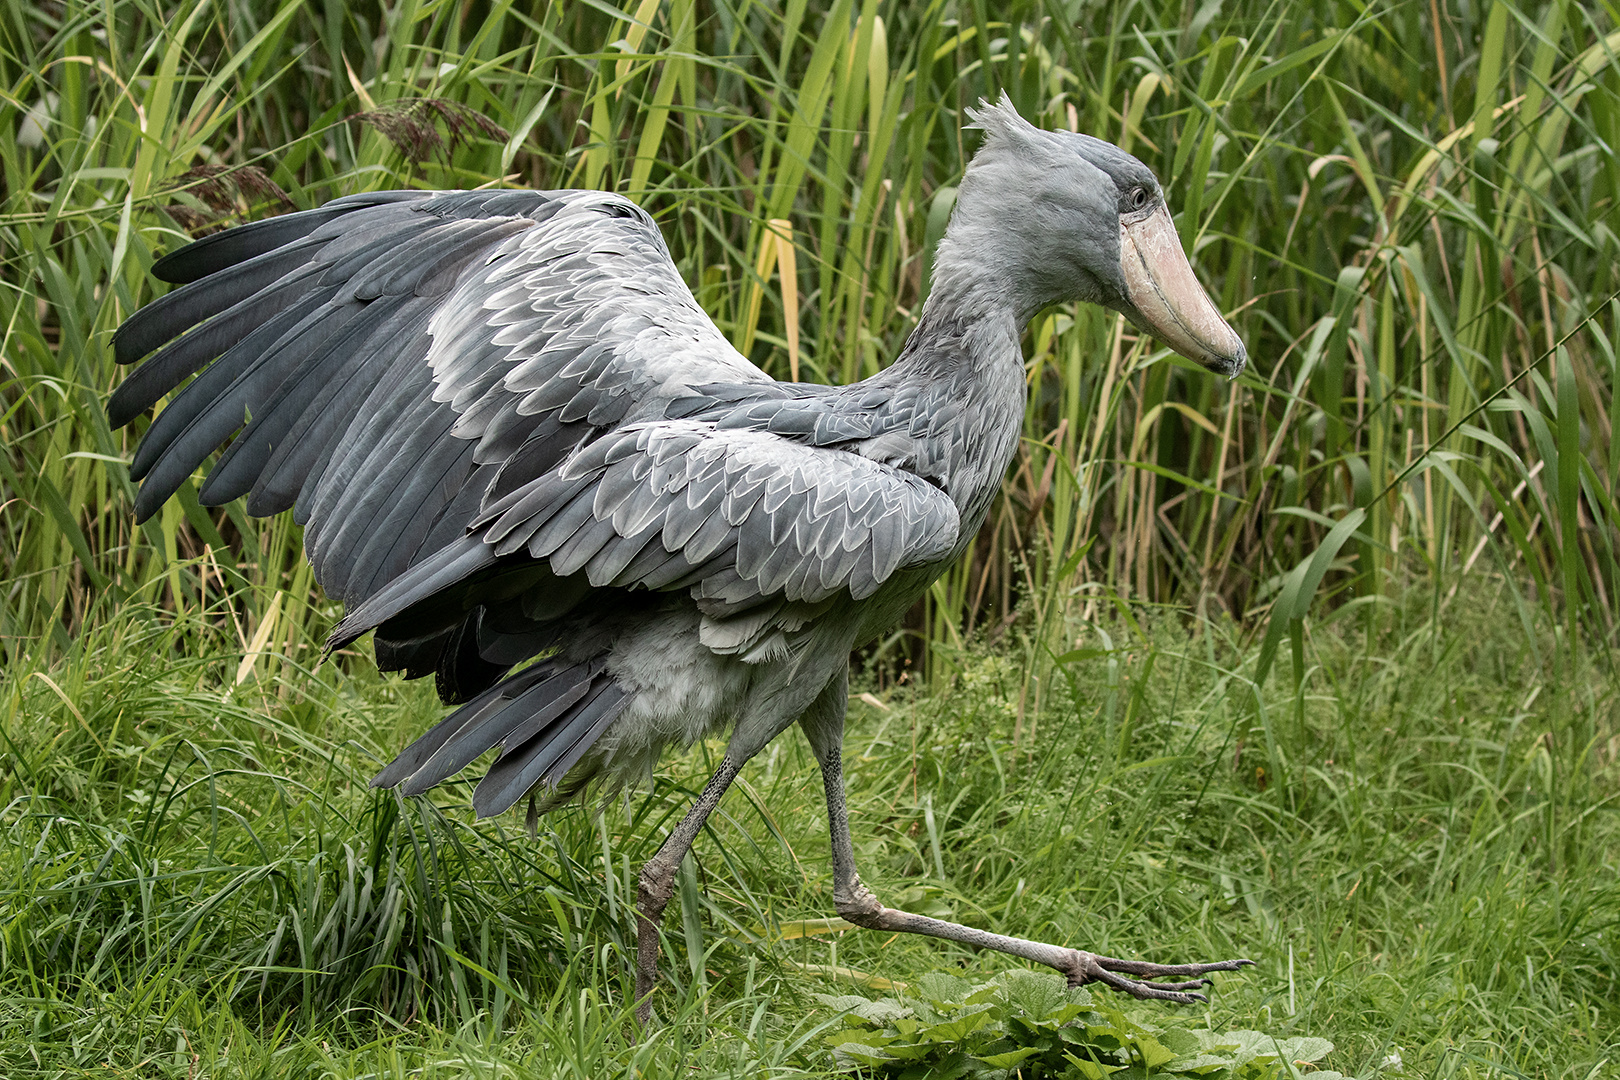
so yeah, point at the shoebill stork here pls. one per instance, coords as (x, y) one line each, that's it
(512, 435)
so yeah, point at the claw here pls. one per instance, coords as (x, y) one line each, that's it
(1089, 967)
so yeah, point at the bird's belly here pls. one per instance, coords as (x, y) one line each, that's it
(679, 691)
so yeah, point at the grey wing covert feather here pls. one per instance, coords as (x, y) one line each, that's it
(763, 531)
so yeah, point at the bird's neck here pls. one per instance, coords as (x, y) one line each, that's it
(969, 346)
(985, 264)
(967, 368)
(971, 321)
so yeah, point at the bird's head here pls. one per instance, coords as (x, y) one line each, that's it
(1086, 221)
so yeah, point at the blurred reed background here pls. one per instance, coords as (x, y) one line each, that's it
(1406, 209)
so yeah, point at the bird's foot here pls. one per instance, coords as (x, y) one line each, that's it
(856, 904)
(1134, 977)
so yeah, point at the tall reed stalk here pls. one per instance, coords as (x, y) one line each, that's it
(1406, 209)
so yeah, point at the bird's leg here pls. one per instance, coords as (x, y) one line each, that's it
(657, 883)
(855, 903)
(776, 699)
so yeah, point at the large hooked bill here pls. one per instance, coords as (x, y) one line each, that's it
(1170, 302)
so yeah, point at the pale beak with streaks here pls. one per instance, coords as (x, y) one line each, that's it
(1171, 304)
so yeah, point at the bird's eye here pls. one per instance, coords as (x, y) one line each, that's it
(1139, 198)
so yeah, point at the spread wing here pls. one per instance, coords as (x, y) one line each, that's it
(490, 408)
(762, 530)
(386, 363)
(462, 394)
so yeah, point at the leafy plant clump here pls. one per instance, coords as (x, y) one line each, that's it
(1028, 1024)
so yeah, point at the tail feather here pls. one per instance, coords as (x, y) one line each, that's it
(543, 720)
(414, 756)
(548, 755)
(533, 704)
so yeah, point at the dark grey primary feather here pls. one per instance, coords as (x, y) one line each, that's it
(179, 310)
(224, 250)
(539, 696)
(187, 354)
(323, 369)
(547, 755)
(210, 410)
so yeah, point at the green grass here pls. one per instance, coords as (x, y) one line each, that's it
(193, 867)
(1318, 666)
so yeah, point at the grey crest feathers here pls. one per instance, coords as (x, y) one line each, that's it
(1008, 132)
(1002, 120)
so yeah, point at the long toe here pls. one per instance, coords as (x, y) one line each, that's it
(1189, 984)
(1116, 973)
(1148, 991)
(1145, 970)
